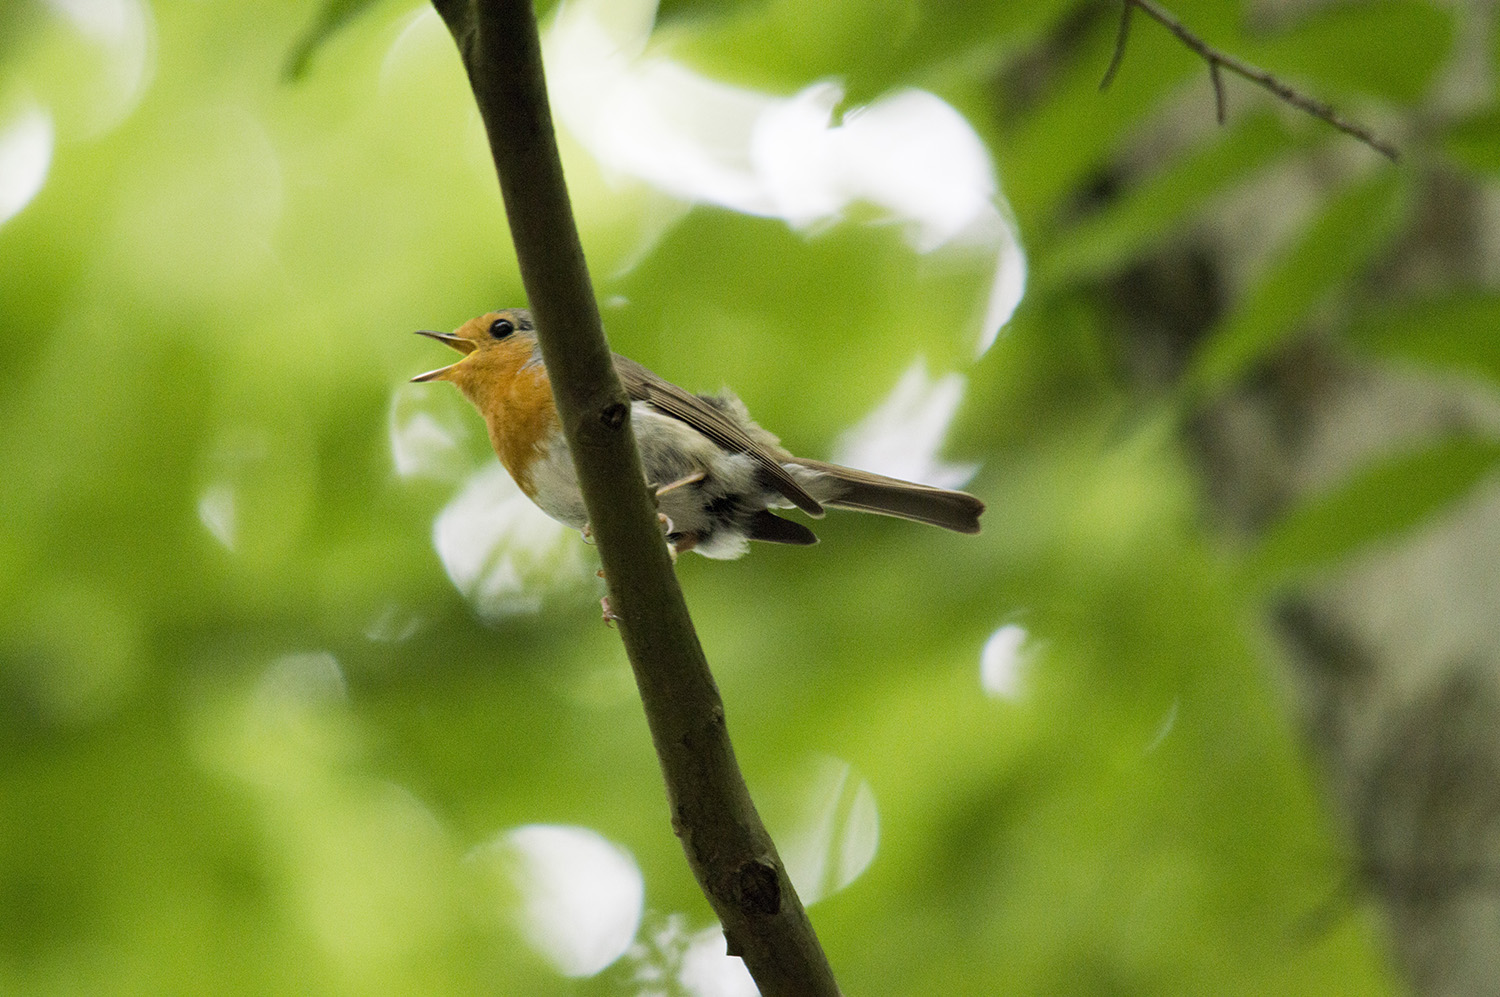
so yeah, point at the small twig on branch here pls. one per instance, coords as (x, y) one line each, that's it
(1220, 103)
(1120, 40)
(727, 846)
(1218, 60)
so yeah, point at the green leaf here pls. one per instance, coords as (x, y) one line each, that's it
(1375, 503)
(1152, 211)
(1389, 49)
(1460, 332)
(1475, 141)
(1330, 251)
(332, 17)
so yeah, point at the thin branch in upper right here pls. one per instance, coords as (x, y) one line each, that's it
(1219, 60)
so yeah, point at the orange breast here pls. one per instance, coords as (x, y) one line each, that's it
(523, 423)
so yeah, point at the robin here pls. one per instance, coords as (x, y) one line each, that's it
(715, 472)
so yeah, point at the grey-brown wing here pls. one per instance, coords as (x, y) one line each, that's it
(642, 385)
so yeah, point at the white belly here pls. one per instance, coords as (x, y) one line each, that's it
(554, 485)
(671, 452)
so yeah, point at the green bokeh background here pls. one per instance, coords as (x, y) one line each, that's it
(217, 291)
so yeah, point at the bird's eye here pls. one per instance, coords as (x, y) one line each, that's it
(501, 327)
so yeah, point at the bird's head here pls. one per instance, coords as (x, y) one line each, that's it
(493, 343)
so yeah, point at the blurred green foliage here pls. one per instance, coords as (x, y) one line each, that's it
(1335, 246)
(1379, 501)
(248, 728)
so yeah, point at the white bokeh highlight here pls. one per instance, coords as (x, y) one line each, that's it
(581, 895)
(120, 61)
(301, 680)
(425, 443)
(501, 551)
(111, 22)
(835, 832)
(393, 624)
(1165, 728)
(708, 970)
(217, 511)
(25, 158)
(698, 962)
(901, 437)
(421, 38)
(909, 154)
(1002, 663)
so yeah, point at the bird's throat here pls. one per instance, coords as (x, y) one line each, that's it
(516, 401)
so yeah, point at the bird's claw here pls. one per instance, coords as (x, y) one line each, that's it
(681, 543)
(666, 530)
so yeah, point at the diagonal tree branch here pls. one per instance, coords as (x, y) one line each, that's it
(728, 848)
(1219, 60)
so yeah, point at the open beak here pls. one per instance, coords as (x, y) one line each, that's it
(460, 344)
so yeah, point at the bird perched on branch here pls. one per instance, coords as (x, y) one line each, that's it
(715, 472)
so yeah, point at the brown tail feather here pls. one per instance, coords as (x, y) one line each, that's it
(768, 526)
(848, 488)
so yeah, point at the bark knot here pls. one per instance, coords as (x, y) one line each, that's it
(758, 888)
(613, 415)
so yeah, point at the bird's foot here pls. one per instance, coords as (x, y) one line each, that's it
(681, 543)
(610, 616)
(665, 523)
(691, 479)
